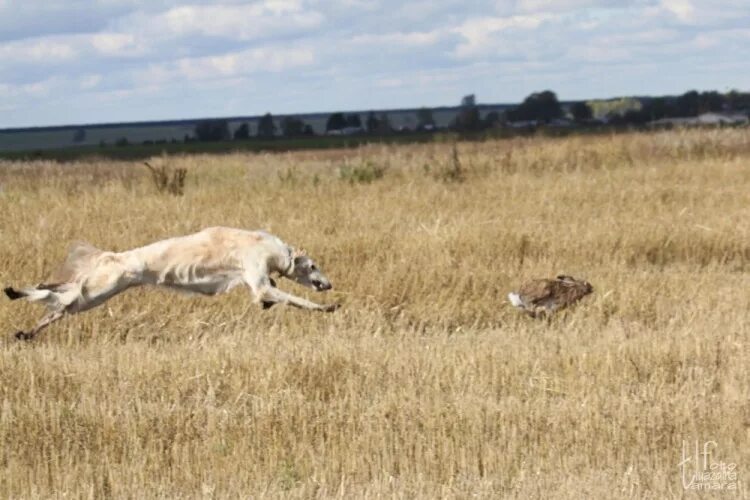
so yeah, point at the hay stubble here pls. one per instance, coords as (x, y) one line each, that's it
(425, 384)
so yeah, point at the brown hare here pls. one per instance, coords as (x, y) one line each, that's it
(545, 296)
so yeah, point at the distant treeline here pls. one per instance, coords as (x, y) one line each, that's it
(689, 104)
(540, 112)
(539, 108)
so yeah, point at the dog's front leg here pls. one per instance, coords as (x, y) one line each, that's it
(267, 304)
(274, 295)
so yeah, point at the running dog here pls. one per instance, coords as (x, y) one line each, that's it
(209, 262)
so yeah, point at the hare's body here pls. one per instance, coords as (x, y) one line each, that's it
(545, 296)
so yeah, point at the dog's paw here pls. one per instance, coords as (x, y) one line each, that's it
(331, 307)
(23, 336)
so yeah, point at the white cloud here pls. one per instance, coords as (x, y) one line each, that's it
(90, 81)
(682, 9)
(701, 13)
(390, 82)
(41, 88)
(366, 5)
(232, 64)
(49, 49)
(651, 37)
(600, 54)
(117, 44)
(243, 22)
(533, 6)
(481, 34)
(402, 39)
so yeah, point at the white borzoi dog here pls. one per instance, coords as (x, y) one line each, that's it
(209, 262)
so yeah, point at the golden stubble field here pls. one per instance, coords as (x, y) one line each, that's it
(426, 384)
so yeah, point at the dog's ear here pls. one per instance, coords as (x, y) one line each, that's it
(299, 252)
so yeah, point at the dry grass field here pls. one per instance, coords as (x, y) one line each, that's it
(426, 384)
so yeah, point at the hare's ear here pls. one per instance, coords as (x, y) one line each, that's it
(564, 277)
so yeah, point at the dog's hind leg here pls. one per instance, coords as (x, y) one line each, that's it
(43, 323)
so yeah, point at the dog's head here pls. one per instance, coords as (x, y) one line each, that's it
(583, 287)
(307, 273)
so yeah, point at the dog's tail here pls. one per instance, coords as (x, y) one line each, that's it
(14, 294)
(52, 296)
(64, 286)
(30, 294)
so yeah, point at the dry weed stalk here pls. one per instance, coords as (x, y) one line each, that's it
(167, 180)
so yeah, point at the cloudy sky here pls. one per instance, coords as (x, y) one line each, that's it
(91, 61)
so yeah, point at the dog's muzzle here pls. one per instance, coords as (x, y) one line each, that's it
(321, 286)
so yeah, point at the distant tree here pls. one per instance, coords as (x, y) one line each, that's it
(688, 104)
(636, 116)
(336, 121)
(425, 119)
(212, 130)
(266, 127)
(691, 103)
(608, 108)
(468, 101)
(353, 120)
(658, 108)
(711, 101)
(738, 101)
(292, 126)
(79, 135)
(581, 111)
(541, 106)
(468, 119)
(492, 119)
(242, 132)
(122, 141)
(384, 124)
(372, 124)
(308, 130)
(651, 109)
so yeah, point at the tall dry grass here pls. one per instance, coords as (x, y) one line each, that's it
(426, 384)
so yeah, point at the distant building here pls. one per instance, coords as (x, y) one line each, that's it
(703, 119)
(561, 123)
(523, 124)
(722, 119)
